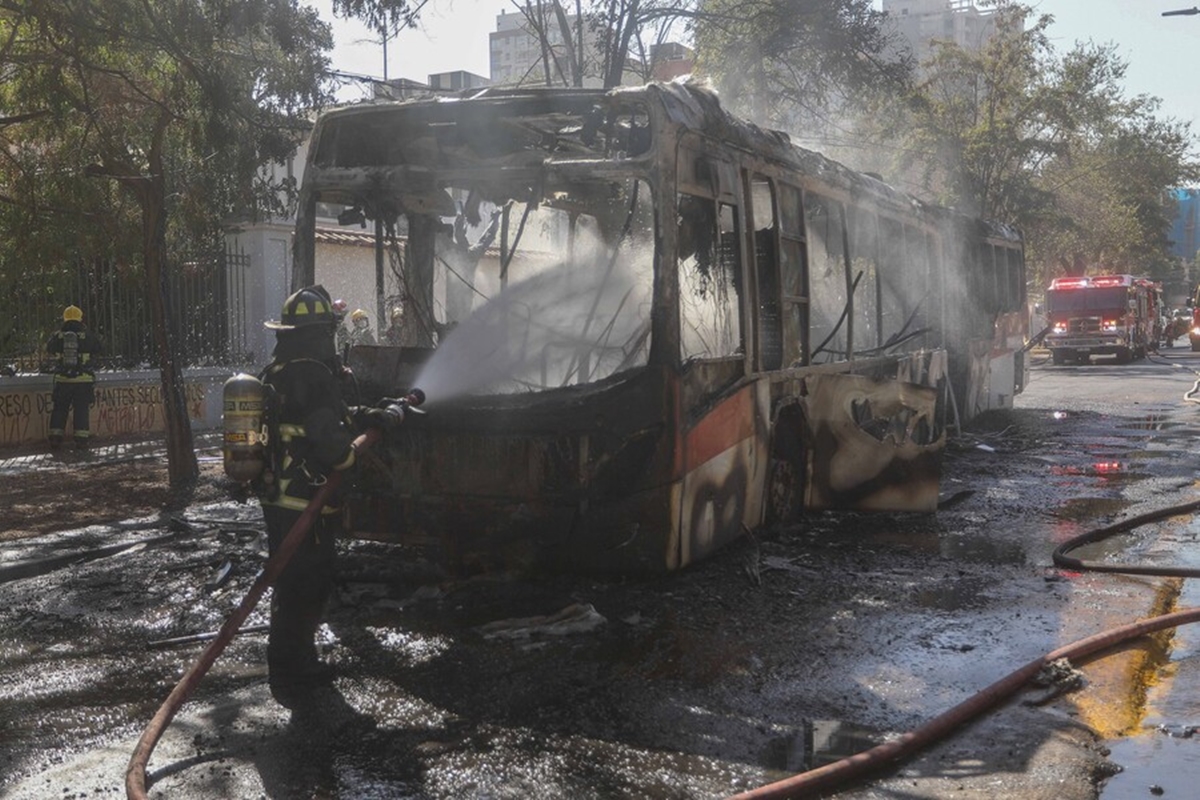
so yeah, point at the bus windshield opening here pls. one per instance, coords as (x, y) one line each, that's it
(529, 289)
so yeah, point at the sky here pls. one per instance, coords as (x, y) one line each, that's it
(1159, 50)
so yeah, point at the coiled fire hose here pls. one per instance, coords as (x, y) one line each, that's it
(135, 773)
(823, 778)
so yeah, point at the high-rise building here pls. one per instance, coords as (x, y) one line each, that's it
(517, 57)
(516, 51)
(922, 22)
(1184, 242)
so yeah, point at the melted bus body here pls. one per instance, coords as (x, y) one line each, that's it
(645, 327)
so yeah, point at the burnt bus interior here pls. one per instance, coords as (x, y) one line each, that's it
(645, 326)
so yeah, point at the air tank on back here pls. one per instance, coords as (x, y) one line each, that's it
(244, 447)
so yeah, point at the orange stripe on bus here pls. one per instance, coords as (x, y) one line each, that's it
(722, 428)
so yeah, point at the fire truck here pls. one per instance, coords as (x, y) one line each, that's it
(1117, 315)
(1194, 331)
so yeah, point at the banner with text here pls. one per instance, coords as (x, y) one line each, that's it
(120, 410)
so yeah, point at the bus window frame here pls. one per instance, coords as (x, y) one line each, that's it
(794, 306)
(765, 296)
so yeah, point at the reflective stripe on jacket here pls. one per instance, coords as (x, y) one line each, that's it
(310, 428)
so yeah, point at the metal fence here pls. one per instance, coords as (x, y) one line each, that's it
(205, 309)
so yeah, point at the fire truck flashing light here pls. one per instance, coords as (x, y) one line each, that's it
(1099, 282)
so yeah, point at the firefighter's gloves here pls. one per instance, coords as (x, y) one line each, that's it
(384, 417)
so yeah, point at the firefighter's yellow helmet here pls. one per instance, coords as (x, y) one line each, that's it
(357, 315)
(309, 306)
(72, 314)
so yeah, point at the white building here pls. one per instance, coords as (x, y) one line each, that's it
(516, 51)
(922, 22)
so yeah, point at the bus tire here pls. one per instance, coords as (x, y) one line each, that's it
(1124, 356)
(785, 492)
(786, 474)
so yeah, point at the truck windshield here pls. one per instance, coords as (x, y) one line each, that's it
(1107, 299)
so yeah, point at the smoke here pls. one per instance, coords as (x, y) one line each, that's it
(572, 323)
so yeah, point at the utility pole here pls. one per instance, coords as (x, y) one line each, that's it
(383, 37)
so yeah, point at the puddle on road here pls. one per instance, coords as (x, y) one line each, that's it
(1153, 422)
(1091, 509)
(948, 598)
(821, 742)
(970, 543)
(830, 740)
(1166, 753)
(1105, 470)
(1170, 763)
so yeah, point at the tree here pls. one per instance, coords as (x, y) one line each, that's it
(793, 64)
(176, 102)
(1049, 143)
(980, 123)
(1111, 207)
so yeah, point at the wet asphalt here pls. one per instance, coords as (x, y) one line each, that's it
(785, 651)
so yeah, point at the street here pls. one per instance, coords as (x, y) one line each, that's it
(774, 354)
(787, 650)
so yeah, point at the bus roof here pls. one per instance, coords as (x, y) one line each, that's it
(691, 107)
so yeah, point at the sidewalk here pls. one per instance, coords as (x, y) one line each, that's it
(28, 458)
(699, 684)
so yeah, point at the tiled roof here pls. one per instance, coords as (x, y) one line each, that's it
(359, 238)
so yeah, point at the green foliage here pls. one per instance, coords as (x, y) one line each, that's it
(793, 63)
(386, 16)
(197, 94)
(1045, 141)
(177, 105)
(1112, 209)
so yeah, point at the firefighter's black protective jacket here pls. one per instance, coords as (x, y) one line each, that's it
(310, 429)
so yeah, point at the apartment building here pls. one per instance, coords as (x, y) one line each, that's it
(922, 22)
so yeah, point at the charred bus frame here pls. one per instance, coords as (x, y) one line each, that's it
(760, 330)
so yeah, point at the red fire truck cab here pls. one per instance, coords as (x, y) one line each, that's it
(1194, 331)
(1117, 315)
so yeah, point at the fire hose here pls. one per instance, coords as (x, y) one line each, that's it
(135, 773)
(823, 778)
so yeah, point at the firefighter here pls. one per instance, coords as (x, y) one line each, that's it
(73, 348)
(343, 335)
(394, 334)
(360, 332)
(310, 434)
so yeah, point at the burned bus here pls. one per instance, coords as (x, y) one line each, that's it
(645, 327)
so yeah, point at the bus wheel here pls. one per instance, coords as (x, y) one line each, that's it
(785, 487)
(1124, 356)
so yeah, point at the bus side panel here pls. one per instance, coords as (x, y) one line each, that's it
(1003, 380)
(1007, 379)
(979, 371)
(725, 461)
(875, 444)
